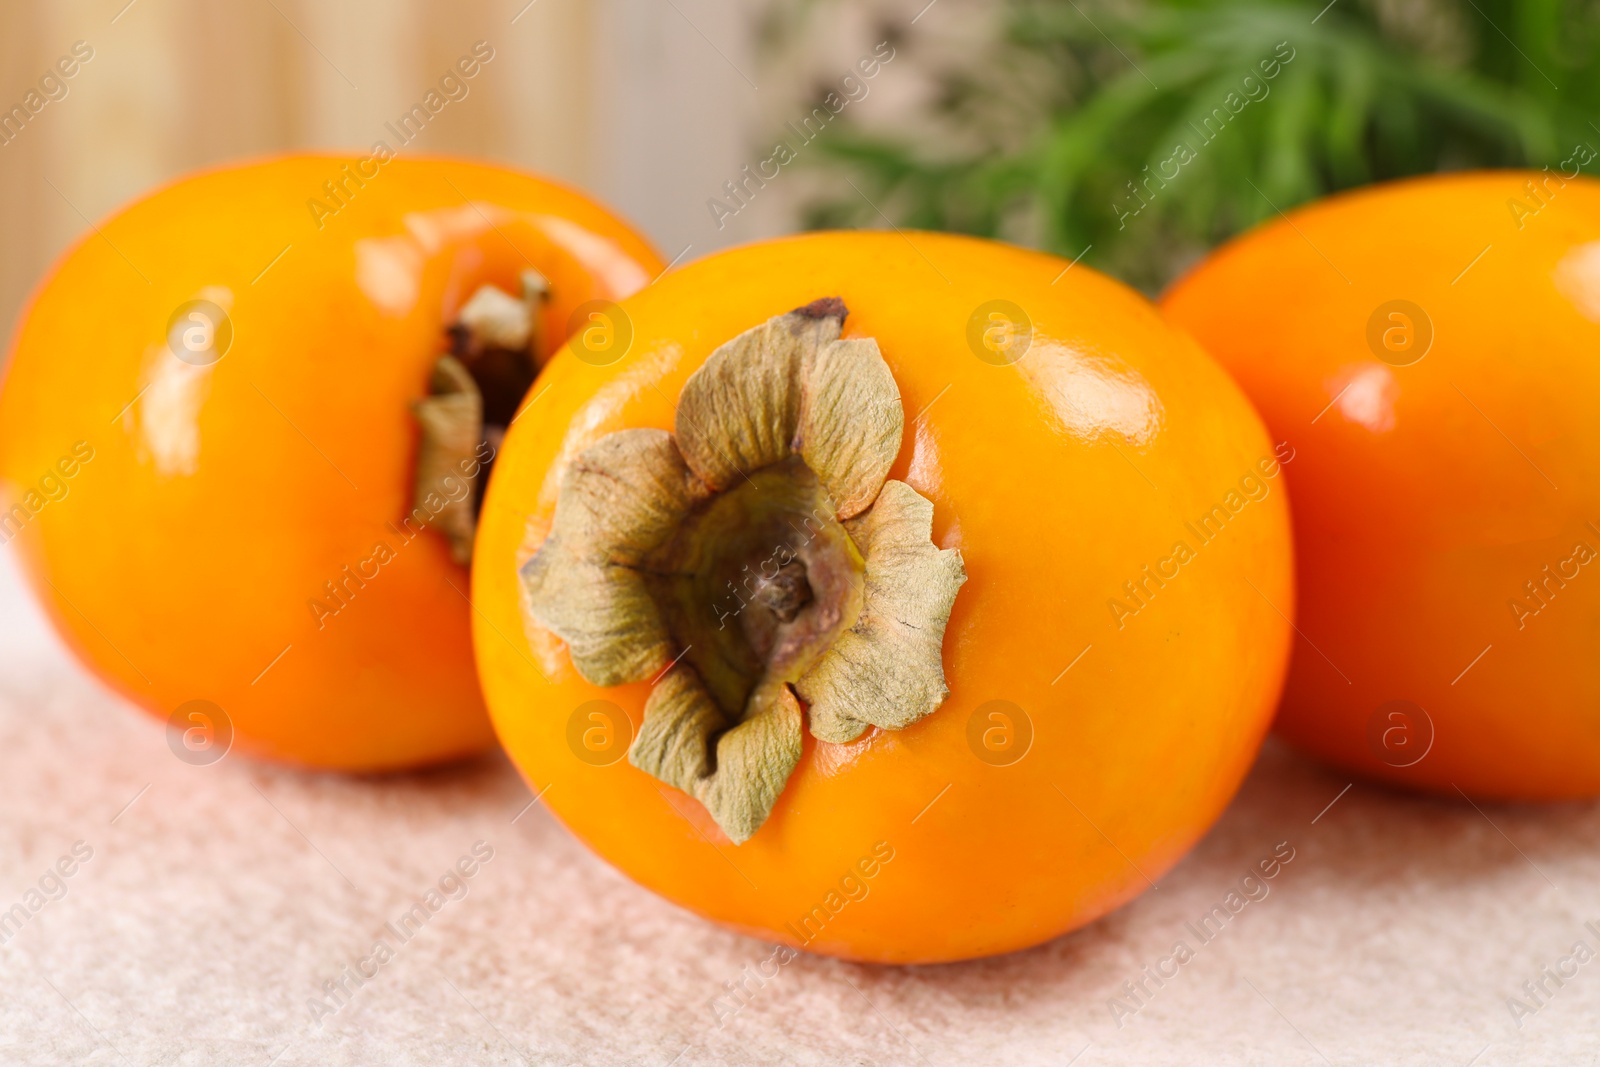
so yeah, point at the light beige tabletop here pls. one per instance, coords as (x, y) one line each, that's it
(217, 901)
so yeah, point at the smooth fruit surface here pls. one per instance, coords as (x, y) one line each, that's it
(181, 518)
(1067, 438)
(1428, 348)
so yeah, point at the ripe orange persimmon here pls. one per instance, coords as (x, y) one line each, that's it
(1428, 348)
(928, 641)
(209, 440)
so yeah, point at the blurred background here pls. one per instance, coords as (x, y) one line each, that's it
(1132, 134)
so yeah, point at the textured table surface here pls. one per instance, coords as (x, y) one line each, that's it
(218, 900)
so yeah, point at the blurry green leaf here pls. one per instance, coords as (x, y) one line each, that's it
(1171, 126)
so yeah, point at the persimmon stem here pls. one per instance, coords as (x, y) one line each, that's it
(786, 592)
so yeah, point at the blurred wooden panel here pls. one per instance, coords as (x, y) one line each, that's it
(646, 103)
(246, 93)
(180, 84)
(24, 222)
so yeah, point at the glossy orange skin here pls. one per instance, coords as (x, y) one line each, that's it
(1034, 473)
(185, 554)
(1428, 495)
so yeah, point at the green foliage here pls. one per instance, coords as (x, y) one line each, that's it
(1088, 124)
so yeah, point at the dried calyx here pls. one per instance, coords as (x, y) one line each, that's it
(757, 565)
(473, 395)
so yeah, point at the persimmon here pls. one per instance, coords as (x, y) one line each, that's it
(1428, 349)
(868, 601)
(244, 428)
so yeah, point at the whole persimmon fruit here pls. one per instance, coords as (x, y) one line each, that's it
(1428, 348)
(244, 427)
(903, 598)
